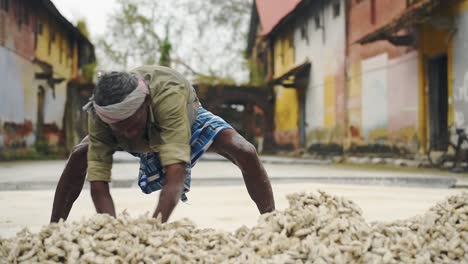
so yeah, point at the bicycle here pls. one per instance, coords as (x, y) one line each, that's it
(451, 155)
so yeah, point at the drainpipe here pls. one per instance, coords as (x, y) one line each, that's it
(346, 79)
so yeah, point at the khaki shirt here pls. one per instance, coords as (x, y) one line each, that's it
(173, 110)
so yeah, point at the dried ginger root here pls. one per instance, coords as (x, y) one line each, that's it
(316, 228)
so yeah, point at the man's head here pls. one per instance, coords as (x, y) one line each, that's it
(121, 100)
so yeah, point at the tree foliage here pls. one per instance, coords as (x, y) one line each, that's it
(132, 37)
(89, 70)
(83, 27)
(204, 39)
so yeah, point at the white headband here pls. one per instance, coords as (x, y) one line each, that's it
(120, 111)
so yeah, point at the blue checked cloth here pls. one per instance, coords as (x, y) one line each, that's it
(152, 174)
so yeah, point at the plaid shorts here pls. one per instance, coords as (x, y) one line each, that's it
(152, 174)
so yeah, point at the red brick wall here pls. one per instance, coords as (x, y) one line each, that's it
(360, 16)
(19, 39)
(360, 24)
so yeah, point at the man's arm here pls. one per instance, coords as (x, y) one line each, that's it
(170, 109)
(102, 198)
(170, 194)
(100, 151)
(71, 182)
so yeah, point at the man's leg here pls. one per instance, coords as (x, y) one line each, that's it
(71, 182)
(234, 147)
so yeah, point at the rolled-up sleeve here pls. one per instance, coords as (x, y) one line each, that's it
(170, 108)
(100, 150)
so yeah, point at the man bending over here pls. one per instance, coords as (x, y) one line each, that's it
(153, 113)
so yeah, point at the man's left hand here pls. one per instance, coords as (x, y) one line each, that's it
(171, 191)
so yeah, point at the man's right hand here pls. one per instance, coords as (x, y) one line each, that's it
(102, 198)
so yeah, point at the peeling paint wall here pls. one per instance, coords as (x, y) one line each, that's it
(16, 75)
(56, 46)
(55, 105)
(35, 43)
(383, 101)
(287, 101)
(376, 93)
(374, 98)
(354, 104)
(320, 39)
(383, 82)
(460, 66)
(403, 101)
(17, 35)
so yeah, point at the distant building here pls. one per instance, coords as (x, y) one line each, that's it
(320, 40)
(364, 75)
(41, 57)
(301, 47)
(416, 51)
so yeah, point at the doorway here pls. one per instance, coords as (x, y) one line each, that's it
(438, 102)
(40, 113)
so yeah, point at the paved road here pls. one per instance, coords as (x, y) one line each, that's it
(221, 207)
(225, 206)
(45, 174)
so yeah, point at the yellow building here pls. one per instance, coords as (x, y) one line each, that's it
(42, 53)
(425, 39)
(287, 100)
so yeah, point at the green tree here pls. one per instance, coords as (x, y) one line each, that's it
(133, 35)
(89, 70)
(206, 38)
(165, 50)
(221, 28)
(83, 27)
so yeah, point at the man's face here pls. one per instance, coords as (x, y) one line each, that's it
(134, 125)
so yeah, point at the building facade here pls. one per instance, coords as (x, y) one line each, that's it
(320, 39)
(383, 83)
(431, 34)
(41, 53)
(271, 52)
(303, 54)
(366, 75)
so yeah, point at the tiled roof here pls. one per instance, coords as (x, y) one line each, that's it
(272, 11)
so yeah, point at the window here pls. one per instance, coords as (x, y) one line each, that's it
(5, 5)
(52, 36)
(60, 50)
(336, 9)
(26, 17)
(265, 63)
(40, 28)
(304, 32)
(70, 47)
(282, 55)
(318, 23)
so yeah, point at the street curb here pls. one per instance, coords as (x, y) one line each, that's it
(122, 157)
(276, 160)
(295, 161)
(422, 182)
(432, 182)
(461, 184)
